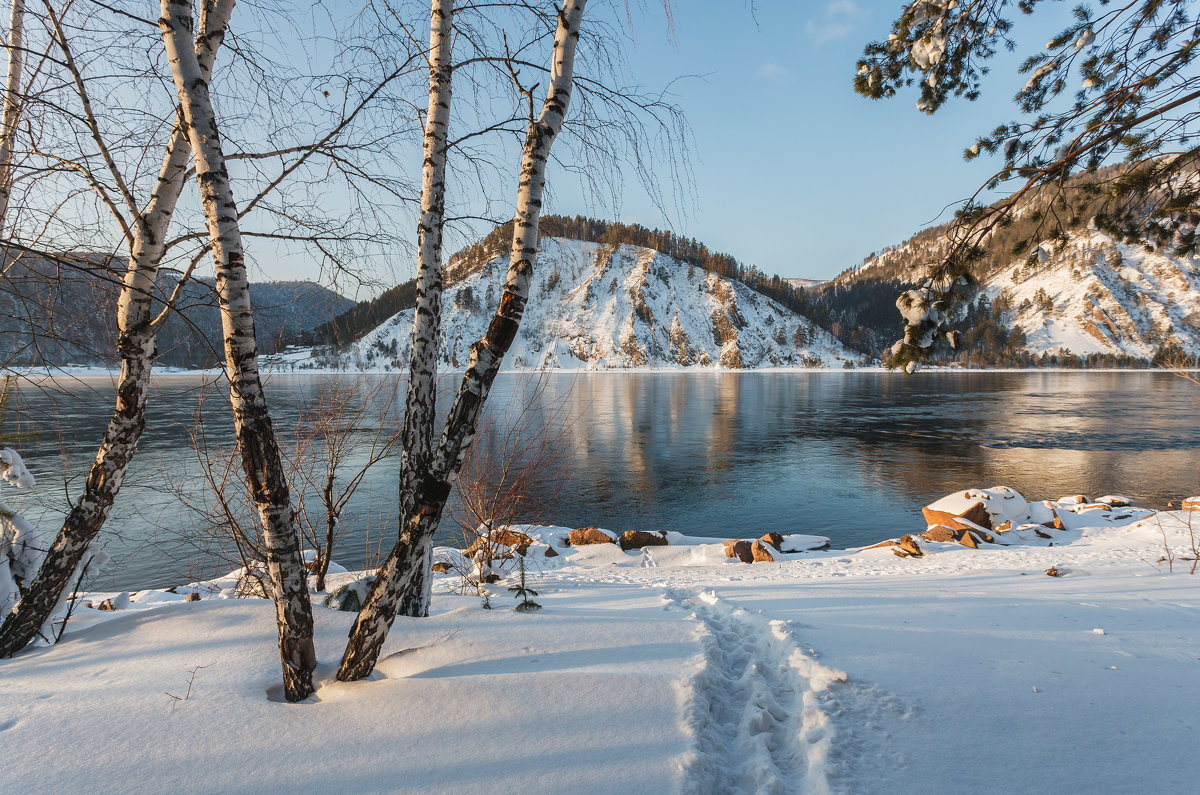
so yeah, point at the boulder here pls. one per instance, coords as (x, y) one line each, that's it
(1116, 501)
(1191, 504)
(909, 545)
(441, 567)
(891, 542)
(968, 527)
(1040, 534)
(590, 535)
(636, 539)
(967, 539)
(945, 509)
(774, 539)
(1052, 571)
(550, 553)
(941, 533)
(760, 552)
(192, 597)
(514, 540)
(740, 550)
(350, 597)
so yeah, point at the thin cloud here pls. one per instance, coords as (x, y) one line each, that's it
(838, 20)
(773, 71)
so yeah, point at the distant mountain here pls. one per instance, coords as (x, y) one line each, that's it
(803, 284)
(56, 314)
(601, 306)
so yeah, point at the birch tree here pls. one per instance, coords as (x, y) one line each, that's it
(403, 573)
(256, 441)
(136, 326)
(12, 101)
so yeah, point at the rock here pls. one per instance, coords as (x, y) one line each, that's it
(1058, 522)
(1116, 501)
(940, 533)
(192, 597)
(1052, 571)
(740, 550)
(441, 567)
(516, 541)
(1077, 499)
(891, 542)
(1040, 534)
(107, 604)
(349, 597)
(967, 539)
(1004, 526)
(760, 552)
(550, 553)
(636, 539)
(909, 545)
(979, 533)
(945, 509)
(590, 535)
(491, 577)
(1190, 504)
(774, 539)
(898, 553)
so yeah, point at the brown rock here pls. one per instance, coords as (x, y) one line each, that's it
(740, 550)
(1190, 505)
(891, 542)
(192, 597)
(491, 577)
(909, 545)
(967, 539)
(760, 552)
(107, 604)
(550, 553)
(589, 535)
(441, 567)
(899, 553)
(774, 539)
(979, 533)
(977, 513)
(1040, 534)
(940, 533)
(518, 542)
(1058, 522)
(1052, 571)
(1003, 526)
(636, 539)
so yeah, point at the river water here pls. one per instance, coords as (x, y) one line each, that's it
(849, 455)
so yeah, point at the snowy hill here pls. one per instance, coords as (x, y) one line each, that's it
(1089, 295)
(594, 306)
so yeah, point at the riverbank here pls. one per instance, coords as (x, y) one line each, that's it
(660, 669)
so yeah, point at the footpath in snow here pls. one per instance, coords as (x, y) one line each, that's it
(668, 667)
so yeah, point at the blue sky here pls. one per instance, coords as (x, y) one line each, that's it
(794, 171)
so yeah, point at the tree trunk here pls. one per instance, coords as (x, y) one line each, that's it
(12, 103)
(404, 571)
(252, 422)
(135, 345)
(421, 402)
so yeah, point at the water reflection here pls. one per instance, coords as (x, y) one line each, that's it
(715, 454)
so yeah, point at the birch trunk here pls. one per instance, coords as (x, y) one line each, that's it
(421, 402)
(135, 346)
(252, 421)
(404, 571)
(12, 102)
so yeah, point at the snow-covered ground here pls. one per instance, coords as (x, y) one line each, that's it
(668, 668)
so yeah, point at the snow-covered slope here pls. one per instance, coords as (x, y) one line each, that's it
(597, 307)
(1091, 294)
(1103, 297)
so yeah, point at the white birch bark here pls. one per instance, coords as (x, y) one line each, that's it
(252, 421)
(135, 345)
(404, 573)
(421, 402)
(12, 102)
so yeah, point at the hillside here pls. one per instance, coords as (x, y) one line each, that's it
(55, 315)
(1086, 299)
(597, 306)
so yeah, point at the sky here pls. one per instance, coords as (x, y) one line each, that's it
(794, 172)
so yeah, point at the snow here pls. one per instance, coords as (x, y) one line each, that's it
(664, 669)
